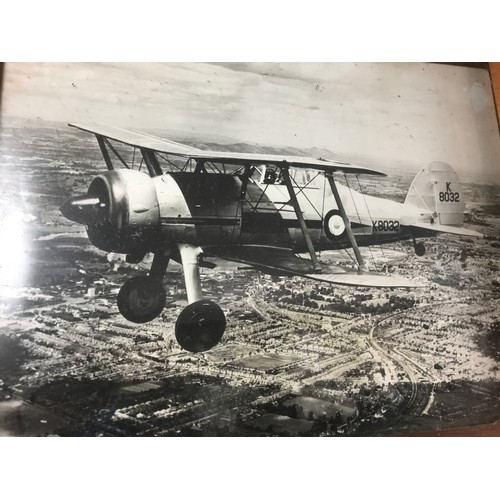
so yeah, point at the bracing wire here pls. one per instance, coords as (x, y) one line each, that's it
(169, 162)
(368, 209)
(344, 248)
(357, 212)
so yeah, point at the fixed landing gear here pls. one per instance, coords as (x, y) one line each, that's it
(141, 299)
(201, 323)
(200, 326)
(420, 249)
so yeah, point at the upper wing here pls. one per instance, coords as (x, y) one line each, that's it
(283, 261)
(151, 142)
(441, 228)
(292, 161)
(136, 139)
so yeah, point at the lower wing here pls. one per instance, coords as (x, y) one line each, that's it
(282, 261)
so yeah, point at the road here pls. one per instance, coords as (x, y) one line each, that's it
(413, 369)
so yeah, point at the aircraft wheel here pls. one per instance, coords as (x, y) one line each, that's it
(141, 299)
(420, 249)
(200, 326)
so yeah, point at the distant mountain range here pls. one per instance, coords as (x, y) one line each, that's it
(223, 143)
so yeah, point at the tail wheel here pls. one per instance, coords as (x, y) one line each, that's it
(200, 326)
(420, 249)
(141, 299)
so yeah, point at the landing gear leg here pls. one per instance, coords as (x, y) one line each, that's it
(419, 248)
(142, 298)
(201, 324)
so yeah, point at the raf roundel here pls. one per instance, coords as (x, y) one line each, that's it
(334, 225)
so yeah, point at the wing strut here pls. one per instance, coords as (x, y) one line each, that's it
(244, 180)
(151, 162)
(104, 151)
(200, 167)
(347, 223)
(300, 217)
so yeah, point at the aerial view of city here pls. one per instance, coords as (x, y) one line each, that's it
(299, 358)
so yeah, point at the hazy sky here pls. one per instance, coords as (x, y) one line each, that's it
(413, 113)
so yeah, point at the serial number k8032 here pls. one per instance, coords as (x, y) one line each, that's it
(450, 196)
(385, 226)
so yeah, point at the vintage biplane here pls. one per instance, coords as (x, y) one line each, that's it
(263, 210)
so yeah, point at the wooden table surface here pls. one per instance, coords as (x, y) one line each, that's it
(495, 78)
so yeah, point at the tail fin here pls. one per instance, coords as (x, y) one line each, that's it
(436, 189)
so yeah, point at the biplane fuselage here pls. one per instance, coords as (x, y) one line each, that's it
(207, 210)
(263, 211)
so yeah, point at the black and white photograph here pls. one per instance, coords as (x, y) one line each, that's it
(249, 249)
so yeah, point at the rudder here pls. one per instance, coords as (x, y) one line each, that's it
(437, 190)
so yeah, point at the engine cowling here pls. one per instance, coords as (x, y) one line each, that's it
(120, 211)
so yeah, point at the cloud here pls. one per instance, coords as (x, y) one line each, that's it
(407, 112)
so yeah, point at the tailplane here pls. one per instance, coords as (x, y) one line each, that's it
(436, 189)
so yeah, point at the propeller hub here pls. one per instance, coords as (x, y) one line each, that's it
(120, 210)
(86, 209)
